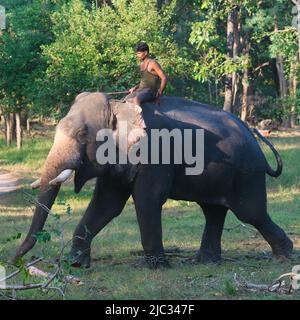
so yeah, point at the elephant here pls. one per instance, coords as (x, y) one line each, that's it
(233, 176)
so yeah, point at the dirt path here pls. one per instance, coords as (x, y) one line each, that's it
(8, 182)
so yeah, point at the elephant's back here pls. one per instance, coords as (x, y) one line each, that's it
(173, 112)
(225, 135)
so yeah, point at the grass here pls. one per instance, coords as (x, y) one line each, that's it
(112, 275)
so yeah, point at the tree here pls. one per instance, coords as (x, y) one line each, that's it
(284, 48)
(28, 25)
(218, 59)
(93, 48)
(232, 39)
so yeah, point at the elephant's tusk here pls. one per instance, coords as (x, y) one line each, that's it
(62, 177)
(36, 184)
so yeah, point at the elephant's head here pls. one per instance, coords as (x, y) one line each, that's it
(74, 146)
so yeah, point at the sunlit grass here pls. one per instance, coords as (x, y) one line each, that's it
(112, 275)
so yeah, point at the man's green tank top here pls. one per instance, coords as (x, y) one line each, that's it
(149, 80)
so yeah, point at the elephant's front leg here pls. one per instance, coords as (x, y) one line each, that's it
(149, 193)
(108, 201)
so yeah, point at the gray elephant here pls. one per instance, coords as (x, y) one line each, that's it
(233, 176)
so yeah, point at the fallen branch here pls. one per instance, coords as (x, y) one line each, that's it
(28, 265)
(277, 286)
(33, 271)
(22, 287)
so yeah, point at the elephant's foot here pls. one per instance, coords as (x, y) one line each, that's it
(80, 258)
(206, 257)
(154, 262)
(283, 248)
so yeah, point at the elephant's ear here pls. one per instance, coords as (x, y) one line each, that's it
(130, 116)
(82, 135)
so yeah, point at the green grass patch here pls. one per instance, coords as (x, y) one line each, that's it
(113, 276)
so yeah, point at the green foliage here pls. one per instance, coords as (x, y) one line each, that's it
(284, 43)
(28, 27)
(277, 109)
(230, 289)
(43, 236)
(94, 49)
(54, 49)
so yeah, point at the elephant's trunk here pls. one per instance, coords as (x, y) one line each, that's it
(45, 200)
(64, 155)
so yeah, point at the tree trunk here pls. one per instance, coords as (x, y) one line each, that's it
(244, 112)
(294, 68)
(8, 130)
(210, 92)
(216, 92)
(232, 18)
(298, 27)
(281, 77)
(25, 123)
(13, 127)
(28, 125)
(293, 93)
(12, 132)
(245, 106)
(283, 85)
(251, 101)
(18, 130)
(236, 53)
(24, 117)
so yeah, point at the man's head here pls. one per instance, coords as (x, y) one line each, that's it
(142, 50)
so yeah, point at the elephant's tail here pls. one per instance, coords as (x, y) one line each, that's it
(273, 173)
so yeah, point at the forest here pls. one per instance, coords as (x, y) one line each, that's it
(242, 56)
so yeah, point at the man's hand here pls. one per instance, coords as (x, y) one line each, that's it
(133, 89)
(158, 95)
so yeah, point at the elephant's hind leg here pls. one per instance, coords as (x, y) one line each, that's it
(278, 240)
(281, 245)
(250, 206)
(210, 249)
(108, 202)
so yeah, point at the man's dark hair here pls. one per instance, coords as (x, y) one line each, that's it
(141, 47)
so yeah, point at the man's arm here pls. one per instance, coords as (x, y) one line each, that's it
(163, 78)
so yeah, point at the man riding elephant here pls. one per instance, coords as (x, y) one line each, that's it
(151, 72)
